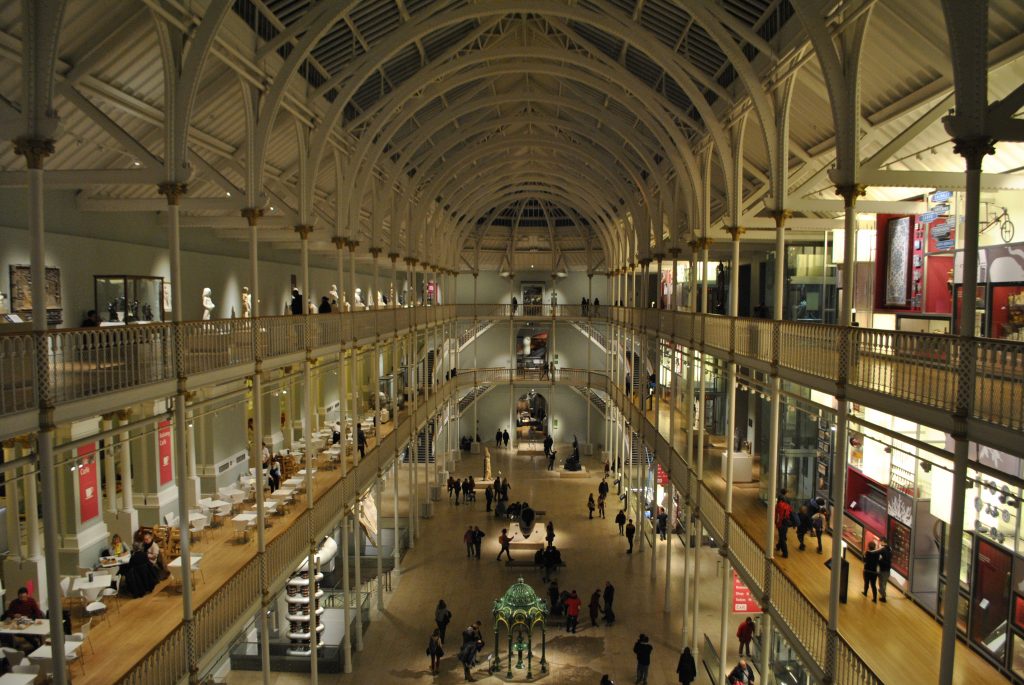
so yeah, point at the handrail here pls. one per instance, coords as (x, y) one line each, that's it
(239, 597)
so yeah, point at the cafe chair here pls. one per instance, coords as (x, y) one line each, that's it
(114, 591)
(95, 608)
(196, 529)
(13, 656)
(82, 636)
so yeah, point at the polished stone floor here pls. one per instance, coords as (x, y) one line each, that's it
(396, 640)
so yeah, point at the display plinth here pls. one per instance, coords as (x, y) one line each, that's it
(742, 467)
(582, 473)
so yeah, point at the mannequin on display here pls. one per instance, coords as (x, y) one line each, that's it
(207, 304)
(246, 303)
(333, 294)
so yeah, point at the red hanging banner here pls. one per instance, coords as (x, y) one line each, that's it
(88, 485)
(661, 476)
(742, 601)
(164, 450)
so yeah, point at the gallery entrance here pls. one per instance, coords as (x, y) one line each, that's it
(531, 417)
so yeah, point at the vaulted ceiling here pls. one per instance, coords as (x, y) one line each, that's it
(467, 133)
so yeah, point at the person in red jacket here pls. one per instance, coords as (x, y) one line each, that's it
(745, 634)
(572, 612)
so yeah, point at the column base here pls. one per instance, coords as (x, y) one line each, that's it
(81, 549)
(124, 523)
(151, 507)
(30, 573)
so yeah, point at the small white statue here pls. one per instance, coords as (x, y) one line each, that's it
(358, 305)
(333, 294)
(207, 304)
(246, 302)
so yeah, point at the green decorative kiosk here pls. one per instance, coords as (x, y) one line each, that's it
(520, 610)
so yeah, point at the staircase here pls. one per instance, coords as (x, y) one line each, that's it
(474, 331)
(474, 394)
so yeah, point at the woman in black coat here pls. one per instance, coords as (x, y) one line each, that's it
(687, 668)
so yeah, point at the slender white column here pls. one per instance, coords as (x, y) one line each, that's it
(357, 538)
(379, 502)
(346, 595)
(397, 551)
(13, 502)
(109, 469)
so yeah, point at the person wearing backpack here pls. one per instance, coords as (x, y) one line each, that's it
(435, 649)
(504, 540)
(818, 526)
(783, 520)
(441, 617)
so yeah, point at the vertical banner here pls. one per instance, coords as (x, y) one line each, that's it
(742, 601)
(164, 450)
(88, 486)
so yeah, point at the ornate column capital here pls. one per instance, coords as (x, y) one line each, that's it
(375, 251)
(735, 231)
(780, 216)
(411, 262)
(702, 244)
(393, 256)
(973, 150)
(34, 150)
(252, 214)
(850, 192)
(352, 245)
(173, 191)
(303, 230)
(338, 241)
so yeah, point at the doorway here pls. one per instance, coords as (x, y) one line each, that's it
(531, 417)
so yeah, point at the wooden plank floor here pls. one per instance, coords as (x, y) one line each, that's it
(133, 627)
(898, 640)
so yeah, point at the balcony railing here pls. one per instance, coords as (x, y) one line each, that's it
(89, 362)
(917, 368)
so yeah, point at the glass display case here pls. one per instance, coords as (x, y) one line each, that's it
(129, 299)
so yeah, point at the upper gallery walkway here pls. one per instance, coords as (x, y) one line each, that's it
(898, 641)
(912, 375)
(148, 635)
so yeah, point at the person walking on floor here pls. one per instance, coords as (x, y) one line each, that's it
(642, 649)
(745, 635)
(620, 520)
(591, 506)
(467, 490)
(549, 533)
(687, 668)
(783, 518)
(600, 505)
(497, 438)
(504, 489)
(595, 607)
(609, 600)
(818, 526)
(572, 612)
(803, 525)
(489, 496)
(504, 436)
(871, 561)
(469, 538)
(435, 648)
(478, 540)
(884, 566)
(630, 532)
(662, 522)
(361, 441)
(451, 486)
(467, 657)
(743, 674)
(504, 540)
(458, 490)
(442, 616)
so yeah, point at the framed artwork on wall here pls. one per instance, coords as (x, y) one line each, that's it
(898, 262)
(21, 292)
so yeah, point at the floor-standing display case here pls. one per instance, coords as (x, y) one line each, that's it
(129, 299)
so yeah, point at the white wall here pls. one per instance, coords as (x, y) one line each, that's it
(84, 244)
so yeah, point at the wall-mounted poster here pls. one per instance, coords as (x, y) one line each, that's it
(21, 292)
(898, 264)
(164, 449)
(88, 482)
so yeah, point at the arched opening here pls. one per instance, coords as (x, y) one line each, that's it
(532, 351)
(531, 417)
